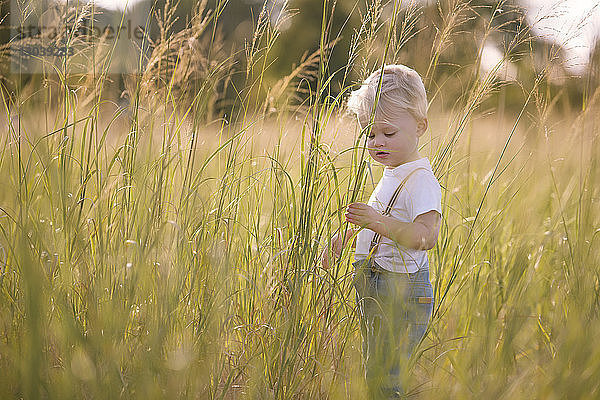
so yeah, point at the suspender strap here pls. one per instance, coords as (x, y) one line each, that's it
(388, 209)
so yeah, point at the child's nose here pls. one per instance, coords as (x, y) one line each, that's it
(378, 141)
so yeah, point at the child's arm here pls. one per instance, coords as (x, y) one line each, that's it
(419, 235)
(336, 245)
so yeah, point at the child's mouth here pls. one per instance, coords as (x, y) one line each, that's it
(381, 153)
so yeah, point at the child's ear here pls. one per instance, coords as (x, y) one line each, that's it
(422, 126)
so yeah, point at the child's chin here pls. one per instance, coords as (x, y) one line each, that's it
(379, 161)
(385, 163)
(385, 160)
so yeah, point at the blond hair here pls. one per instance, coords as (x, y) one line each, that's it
(401, 88)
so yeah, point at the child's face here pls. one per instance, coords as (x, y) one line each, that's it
(394, 141)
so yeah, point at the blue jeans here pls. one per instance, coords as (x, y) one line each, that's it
(394, 312)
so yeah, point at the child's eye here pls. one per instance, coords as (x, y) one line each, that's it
(385, 134)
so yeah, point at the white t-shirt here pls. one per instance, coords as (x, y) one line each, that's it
(421, 193)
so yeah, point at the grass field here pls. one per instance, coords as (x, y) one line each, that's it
(151, 250)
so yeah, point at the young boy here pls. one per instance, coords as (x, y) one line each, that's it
(395, 296)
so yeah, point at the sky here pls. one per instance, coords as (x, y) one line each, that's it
(115, 4)
(575, 24)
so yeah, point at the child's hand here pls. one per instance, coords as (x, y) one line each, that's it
(336, 247)
(362, 214)
(325, 259)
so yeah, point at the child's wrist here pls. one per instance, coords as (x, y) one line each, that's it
(377, 223)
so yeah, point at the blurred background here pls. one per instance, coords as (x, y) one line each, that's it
(562, 37)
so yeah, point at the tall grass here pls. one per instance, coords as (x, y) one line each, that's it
(160, 250)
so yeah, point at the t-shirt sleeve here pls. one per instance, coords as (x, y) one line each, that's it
(424, 195)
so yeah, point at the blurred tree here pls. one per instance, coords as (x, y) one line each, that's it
(592, 72)
(302, 34)
(4, 38)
